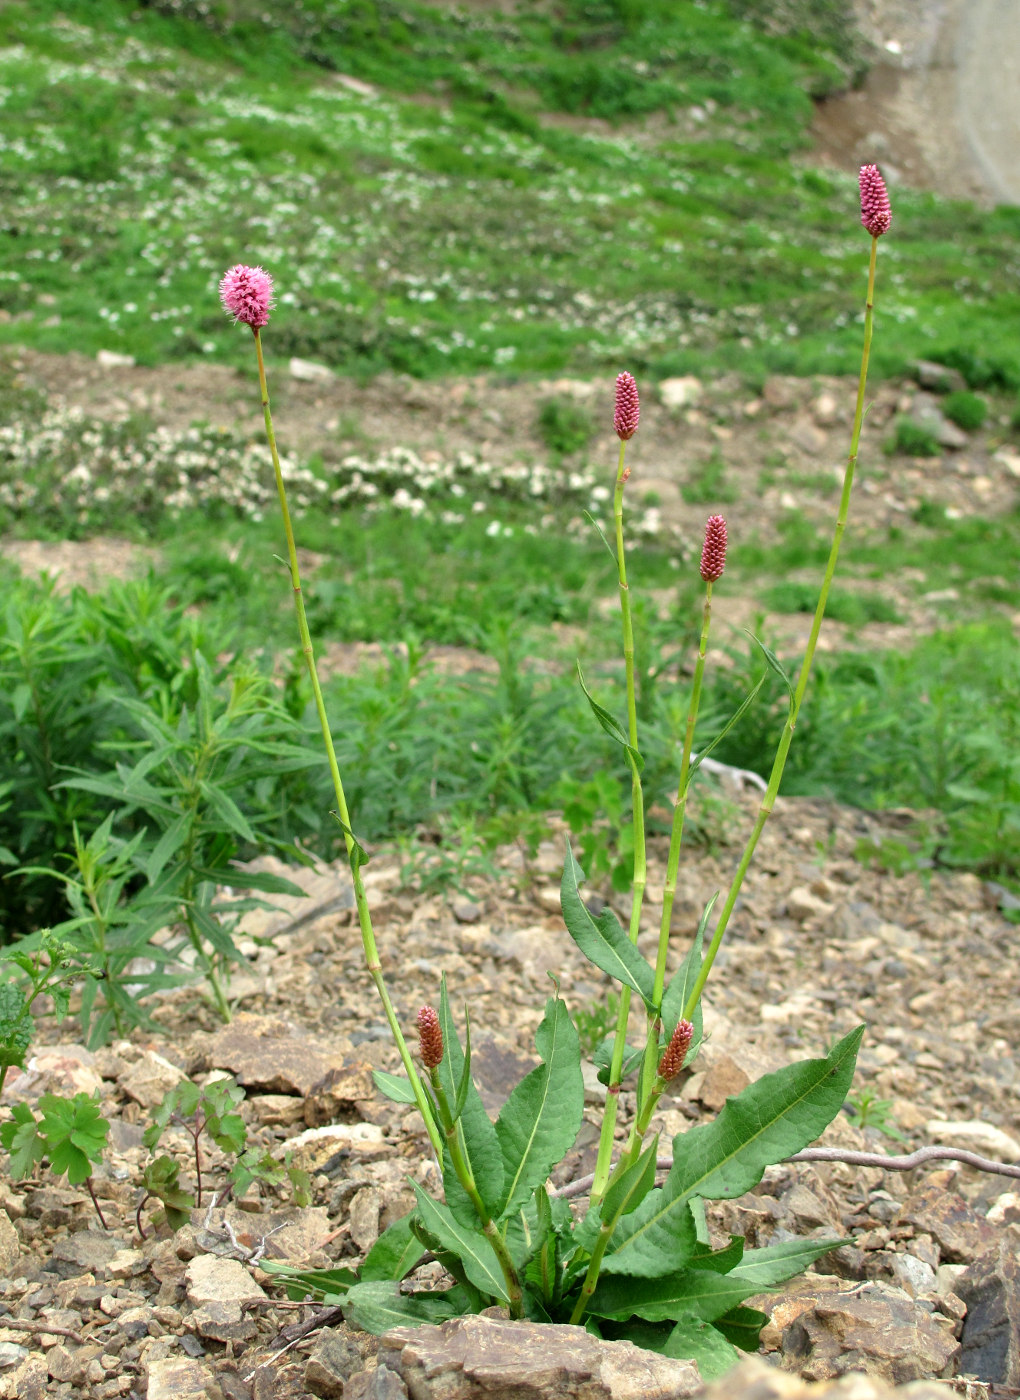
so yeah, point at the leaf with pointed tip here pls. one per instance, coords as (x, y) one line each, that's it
(394, 1086)
(471, 1247)
(776, 1263)
(611, 725)
(767, 1122)
(540, 1120)
(699, 1293)
(629, 1189)
(378, 1305)
(603, 941)
(465, 1078)
(478, 1133)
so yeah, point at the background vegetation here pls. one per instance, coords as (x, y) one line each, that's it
(441, 190)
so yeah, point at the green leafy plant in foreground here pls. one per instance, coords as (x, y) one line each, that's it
(640, 1261)
(71, 1133)
(211, 1109)
(46, 970)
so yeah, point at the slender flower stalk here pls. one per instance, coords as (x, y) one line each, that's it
(876, 216)
(625, 423)
(247, 294)
(713, 561)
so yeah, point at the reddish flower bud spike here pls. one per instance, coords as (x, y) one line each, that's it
(876, 211)
(247, 295)
(430, 1037)
(713, 553)
(672, 1061)
(628, 407)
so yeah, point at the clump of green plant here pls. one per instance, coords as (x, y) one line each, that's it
(71, 1134)
(210, 1109)
(565, 426)
(594, 1022)
(966, 410)
(708, 484)
(640, 1263)
(912, 438)
(867, 1111)
(855, 608)
(46, 970)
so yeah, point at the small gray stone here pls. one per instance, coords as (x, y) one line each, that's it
(380, 1384)
(991, 1332)
(10, 1246)
(87, 1252)
(332, 1363)
(181, 1378)
(215, 1280)
(11, 1354)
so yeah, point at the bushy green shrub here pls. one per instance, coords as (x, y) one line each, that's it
(565, 426)
(912, 438)
(966, 410)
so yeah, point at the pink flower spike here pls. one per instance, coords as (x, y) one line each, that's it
(713, 553)
(628, 407)
(430, 1037)
(876, 211)
(247, 295)
(675, 1053)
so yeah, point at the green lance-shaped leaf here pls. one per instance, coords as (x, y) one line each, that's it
(694, 1340)
(768, 1121)
(542, 1117)
(610, 724)
(378, 1305)
(394, 1253)
(603, 941)
(393, 1086)
(775, 666)
(768, 1267)
(478, 1133)
(630, 1188)
(699, 1293)
(470, 1246)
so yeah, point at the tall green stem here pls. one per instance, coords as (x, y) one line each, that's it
(360, 897)
(605, 1152)
(673, 859)
(768, 801)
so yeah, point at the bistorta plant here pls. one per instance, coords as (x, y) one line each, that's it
(638, 1262)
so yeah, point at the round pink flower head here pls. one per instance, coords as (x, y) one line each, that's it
(628, 407)
(247, 294)
(876, 211)
(713, 553)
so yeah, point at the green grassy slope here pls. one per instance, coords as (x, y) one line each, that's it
(462, 215)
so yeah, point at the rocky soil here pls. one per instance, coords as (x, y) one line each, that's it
(925, 1285)
(783, 449)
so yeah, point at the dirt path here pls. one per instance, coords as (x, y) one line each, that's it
(988, 91)
(939, 110)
